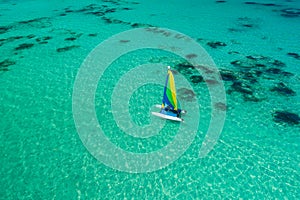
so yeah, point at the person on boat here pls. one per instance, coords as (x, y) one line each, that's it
(176, 112)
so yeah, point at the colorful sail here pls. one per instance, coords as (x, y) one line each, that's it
(169, 98)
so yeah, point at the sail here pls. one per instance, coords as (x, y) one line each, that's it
(169, 98)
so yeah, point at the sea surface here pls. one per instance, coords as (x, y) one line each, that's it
(255, 46)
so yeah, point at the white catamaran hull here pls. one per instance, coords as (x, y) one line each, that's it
(167, 117)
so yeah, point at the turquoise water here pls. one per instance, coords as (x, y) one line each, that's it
(255, 45)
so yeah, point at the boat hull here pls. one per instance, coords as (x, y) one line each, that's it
(167, 117)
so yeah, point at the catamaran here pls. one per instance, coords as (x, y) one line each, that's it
(169, 109)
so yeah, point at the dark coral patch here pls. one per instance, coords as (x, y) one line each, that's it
(87, 8)
(67, 48)
(186, 94)
(220, 106)
(10, 39)
(139, 25)
(245, 90)
(248, 25)
(211, 82)
(232, 30)
(239, 63)
(241, 87)
(135, 25)
(43, 40)
(4, 29)
(5, 64)
(156, 30)
(250, 2)
(15, 38)
(47, 38)
(185, 66)
(269, 4)
(262, 4)
(196, 79)
(236, 62)
(31, 21)
(251, 97)
(282, 89)
(251, 69)
(190, 56)
(227, 75)
(290, 12)
(246, 22)
(96, 13)
(205, 69)
(257, 73)
(233, 52)
(278, 71)
(93, 34)
(24, 46)
(286, 117)
(216, 44)
(259, 65)
(111, 10)
(274, 71)
(107, 20)
(124, 41)
(117, 21)
(69, 11)
(30, 36)
(250, 76)
(257, 62)
(294, 55)
(70, 39)
(278, 63)
(257, 57)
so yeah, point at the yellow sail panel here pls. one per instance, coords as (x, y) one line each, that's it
(171, 93)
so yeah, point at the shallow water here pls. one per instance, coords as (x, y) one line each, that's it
(255, 48)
